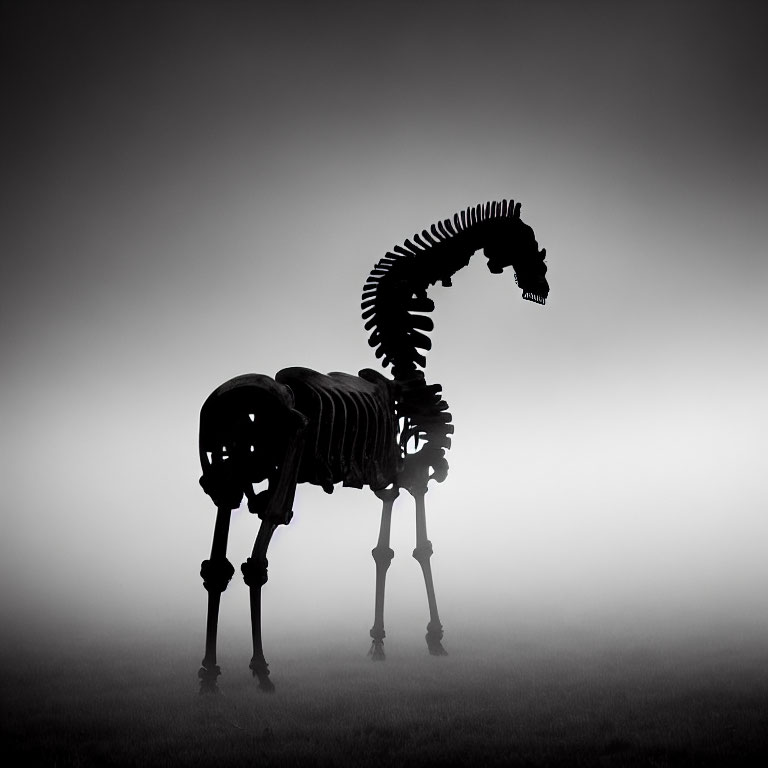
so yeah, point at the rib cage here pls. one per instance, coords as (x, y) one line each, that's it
(351, 436)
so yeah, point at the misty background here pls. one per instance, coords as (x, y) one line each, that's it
(192, 191)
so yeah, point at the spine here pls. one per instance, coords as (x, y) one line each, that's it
(395, 303)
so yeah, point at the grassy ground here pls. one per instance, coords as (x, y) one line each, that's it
(534, 703)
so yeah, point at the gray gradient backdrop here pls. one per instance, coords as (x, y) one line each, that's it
(193, 191)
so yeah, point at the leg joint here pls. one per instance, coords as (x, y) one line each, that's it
(382, 555)
(254, 571)
(434, 636)
(423, 552)
(260, 669)
(388, 494)
(208, 674)
(216, 574)
(435, 630)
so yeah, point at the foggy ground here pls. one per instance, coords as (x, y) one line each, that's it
(534, 697)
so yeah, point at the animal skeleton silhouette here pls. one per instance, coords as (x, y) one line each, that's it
(307, 427)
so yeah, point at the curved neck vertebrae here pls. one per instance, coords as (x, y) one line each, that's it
(396, 307)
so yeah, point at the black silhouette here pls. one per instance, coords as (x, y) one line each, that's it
(307, 427)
